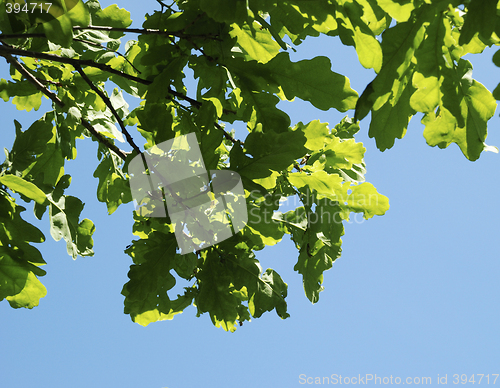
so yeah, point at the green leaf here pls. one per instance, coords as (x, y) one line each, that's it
(155, 122)
(374, 17)
(27, 103)
(399, 9)
(64, 224)
(317, 134)
(263, 291)
(26, 188)
(481, 17)
(311, 268)
(343, 154)
(14, 230)
(300, 19)
(112, 16)
(33, 290)
(390, 121)
(256, 42)
(363, 198)
(314, 81)
(146, 293)
(225, 11)
(50, 163)
(434, 64)
(390, 91)
(29, 144)
(113, 188)
(216, 294)
(78, 13)
(19, 260)
(18, 284)
(355, 31)
(266, 113)
(319, 246)
(269, 152)
(59, 30)
(231, 276)
(365, 102)
(466, 108)
(324, 184)
(261, 229)
(271, 294)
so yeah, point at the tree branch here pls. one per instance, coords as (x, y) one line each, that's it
(192, 101)
(107, 49)
(143, 31)
(226, 135)
(31, 78)
(6, 50)
(38, 84)
(70, 61)
(107, 101)
(122, 154)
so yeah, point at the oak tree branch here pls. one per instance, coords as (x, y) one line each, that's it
(107, 101)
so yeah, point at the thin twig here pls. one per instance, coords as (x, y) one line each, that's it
(39, 85)
(31, 78)
(211, 59)
(143, 31)
(77, 64)
(46, 81)
(107, 101)
(192, 101)
(4, 49)
(165, 5)
(107, 49)
(226, 135)
(122, 154)
(7, 49)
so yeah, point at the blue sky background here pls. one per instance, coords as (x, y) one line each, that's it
(415, 293)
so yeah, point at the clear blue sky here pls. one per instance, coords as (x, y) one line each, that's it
(415, 294)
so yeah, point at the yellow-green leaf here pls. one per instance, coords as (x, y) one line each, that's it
(24, 187)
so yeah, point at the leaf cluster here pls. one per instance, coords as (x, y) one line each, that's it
(239, 54)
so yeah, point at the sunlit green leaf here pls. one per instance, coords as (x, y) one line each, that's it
(313, 81)
(21, 186)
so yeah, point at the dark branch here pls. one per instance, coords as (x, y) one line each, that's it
(163, 5)
(31, 78)
(70, 61)
(226, 135)
(38, 84)
(143, 31)
(107, 49)
(192, 101)
(6, 50)
(122, 154)
(107, 101)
